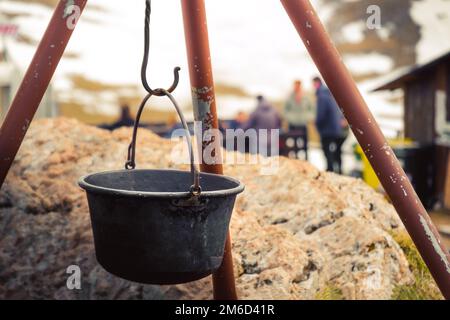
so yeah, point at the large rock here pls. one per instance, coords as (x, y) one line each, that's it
(294, 233)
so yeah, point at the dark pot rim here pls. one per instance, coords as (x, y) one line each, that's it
(147, 194)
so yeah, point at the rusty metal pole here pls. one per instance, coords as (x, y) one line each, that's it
(370, 137)
(204, 101)
(36, 80)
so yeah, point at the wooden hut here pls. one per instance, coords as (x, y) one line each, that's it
(426, 90)
(10, 78)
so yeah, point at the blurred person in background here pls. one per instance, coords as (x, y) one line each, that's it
(332, 126)
(298, 112)
(298, 109)
(125, 119)
(239, 121)
(174, 124)
(265, 117)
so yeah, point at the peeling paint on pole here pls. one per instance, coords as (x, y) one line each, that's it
(202, 99)
(68, 8)
(72, 13)
(435, 242)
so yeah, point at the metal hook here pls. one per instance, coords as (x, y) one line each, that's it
(160, 91)
(156, 92)
(195, 189)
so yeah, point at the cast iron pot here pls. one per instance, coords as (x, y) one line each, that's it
(160, 226)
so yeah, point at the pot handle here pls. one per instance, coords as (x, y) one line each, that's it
(195, 189)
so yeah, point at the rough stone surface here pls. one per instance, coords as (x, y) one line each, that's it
(293, 233)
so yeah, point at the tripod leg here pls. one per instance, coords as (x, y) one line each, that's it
(371, 139)
(204, 102)
(36, 80)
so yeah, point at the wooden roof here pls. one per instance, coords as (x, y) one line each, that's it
(412, 73)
